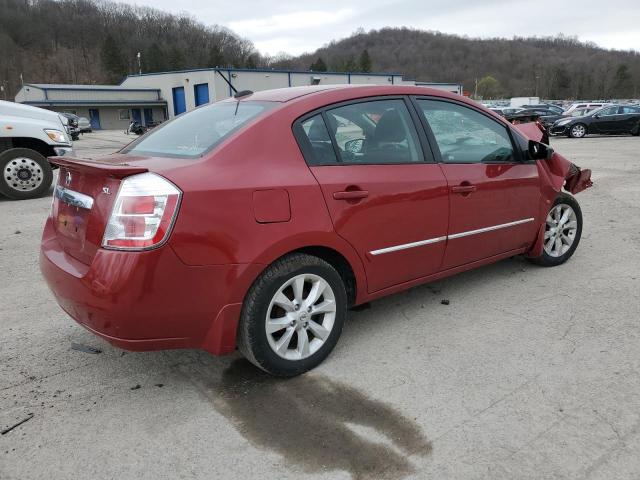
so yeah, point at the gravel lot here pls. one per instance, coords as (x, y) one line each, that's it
(528, 373)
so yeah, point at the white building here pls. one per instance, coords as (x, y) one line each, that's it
(106, 106)
(154, 97)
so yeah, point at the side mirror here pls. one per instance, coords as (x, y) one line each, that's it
(539, 151)
(597, 115)
(354, 146)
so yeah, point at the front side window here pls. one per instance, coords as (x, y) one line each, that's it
(193, 134)
(464, 135)
(376, 132)
(608, 111)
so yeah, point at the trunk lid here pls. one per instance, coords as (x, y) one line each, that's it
(83, 199)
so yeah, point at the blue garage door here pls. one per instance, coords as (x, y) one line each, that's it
(179, 105)
(137, 116)
(148, 116)
(94, 118)
(201, 92)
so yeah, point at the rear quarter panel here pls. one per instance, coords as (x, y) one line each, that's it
(217, 222)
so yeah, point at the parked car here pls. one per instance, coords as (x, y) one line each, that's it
(84, 124)
(611, 120)
(502, 111)
(258, 221)
(545, 106)
(546, 115)
(579, 112)
(72, 124)
(590, 105)
(28, 135)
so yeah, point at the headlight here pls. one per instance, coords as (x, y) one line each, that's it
(57, 136)
(564, 121)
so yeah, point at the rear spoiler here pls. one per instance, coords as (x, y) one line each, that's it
(117, 170)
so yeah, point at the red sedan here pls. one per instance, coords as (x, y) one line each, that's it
(256, 222)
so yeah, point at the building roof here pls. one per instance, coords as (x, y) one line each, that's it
(60, 86)
(91, 103)
(266, 70)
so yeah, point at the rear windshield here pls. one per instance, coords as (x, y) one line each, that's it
(193, 134)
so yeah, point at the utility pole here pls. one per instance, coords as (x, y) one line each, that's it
(475, 91)
(537, 77)
(139, 64)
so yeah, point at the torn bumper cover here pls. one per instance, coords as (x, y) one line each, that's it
(557, 172)
(577, 180)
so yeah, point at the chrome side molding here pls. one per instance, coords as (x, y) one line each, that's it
(75, 199)
(489, 229)
(408, 245)
(453, 236)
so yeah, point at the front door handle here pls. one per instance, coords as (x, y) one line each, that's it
(350, 195)
(463, 188)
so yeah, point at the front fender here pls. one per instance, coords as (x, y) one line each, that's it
(555, 174)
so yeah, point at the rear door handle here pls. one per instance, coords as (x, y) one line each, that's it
(463, 189)
(350, 195)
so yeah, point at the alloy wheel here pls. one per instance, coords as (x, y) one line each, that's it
(578, 131)
(560, 231)
(300, 316)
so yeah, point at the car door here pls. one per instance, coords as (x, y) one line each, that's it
(384, 197)
(494, 194)
(629, 119)
(605, 121)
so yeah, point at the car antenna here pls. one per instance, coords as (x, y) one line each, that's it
(243, 93)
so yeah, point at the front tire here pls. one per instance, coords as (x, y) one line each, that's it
(293, 315)
(25, 174)
(563, 229)
(578, 130)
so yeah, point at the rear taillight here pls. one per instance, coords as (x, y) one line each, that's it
(143, 213)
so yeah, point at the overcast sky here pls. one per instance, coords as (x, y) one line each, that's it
(298, 26)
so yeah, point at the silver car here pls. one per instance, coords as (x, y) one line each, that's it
(84, 124)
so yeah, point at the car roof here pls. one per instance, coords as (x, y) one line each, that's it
(347, 91)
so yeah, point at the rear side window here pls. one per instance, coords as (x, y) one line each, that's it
(466, 136)
(195, 133)
(321, 151)
(630, 110)
(376, 132)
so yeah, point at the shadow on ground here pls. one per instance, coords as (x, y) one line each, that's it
(310, 421)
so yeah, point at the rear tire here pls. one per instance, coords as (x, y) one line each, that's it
(563, 229)
(578, 130)
(279, 331)
(25, 174)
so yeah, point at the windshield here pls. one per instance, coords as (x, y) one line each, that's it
(193, 134)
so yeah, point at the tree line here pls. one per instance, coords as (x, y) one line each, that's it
(96, 41)
(557, 67)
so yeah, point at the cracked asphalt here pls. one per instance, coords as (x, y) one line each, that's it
(527, 373)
